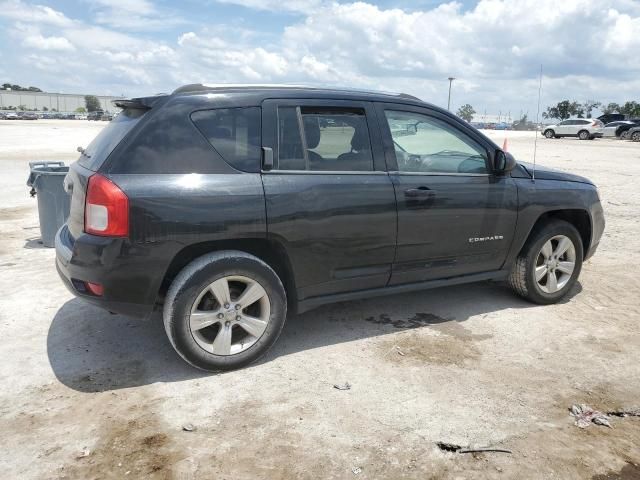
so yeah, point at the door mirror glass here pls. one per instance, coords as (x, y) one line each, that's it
(504, 161)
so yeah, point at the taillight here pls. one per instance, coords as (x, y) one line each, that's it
(106, 210)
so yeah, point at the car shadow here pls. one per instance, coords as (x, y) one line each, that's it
(91, 350)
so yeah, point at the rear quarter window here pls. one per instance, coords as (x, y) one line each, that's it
(109, 138)
(234, 133)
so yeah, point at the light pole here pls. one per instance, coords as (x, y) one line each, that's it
(451, 79)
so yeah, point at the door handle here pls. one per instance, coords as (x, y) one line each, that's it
(420, 192)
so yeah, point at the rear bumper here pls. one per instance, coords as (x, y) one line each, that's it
(100, 260)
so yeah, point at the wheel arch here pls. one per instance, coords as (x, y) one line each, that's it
(269, 251)
(579, 218)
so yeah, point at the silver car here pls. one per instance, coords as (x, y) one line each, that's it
(583, 128)
(611, 127)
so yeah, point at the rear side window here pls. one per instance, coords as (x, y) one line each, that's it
(110, 136)
(234, 133)
(332, 139)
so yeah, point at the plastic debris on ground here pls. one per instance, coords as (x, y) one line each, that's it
(345, 386)
(585, 415)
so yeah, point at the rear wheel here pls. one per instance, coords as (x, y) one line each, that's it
(584, 135)
(549, 264)
(549, 133)
(635, 136)
(224, 310)
(624, 135)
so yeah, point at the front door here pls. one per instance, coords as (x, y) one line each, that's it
(455, 217)
(329, 200)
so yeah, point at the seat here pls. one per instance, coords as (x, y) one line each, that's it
(359, 158)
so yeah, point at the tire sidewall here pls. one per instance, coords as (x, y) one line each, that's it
(180, 302)
(540, 238)
(583, 135)
(549, 133)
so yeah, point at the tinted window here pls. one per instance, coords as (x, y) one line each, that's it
(110, 136)
(234, 133)
(583, 122)
(335, 139)
(426, 144)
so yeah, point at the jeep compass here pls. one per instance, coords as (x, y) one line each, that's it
(228, 207)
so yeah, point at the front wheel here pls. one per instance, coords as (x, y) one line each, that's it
(549, 264)
(549, 134)
(635, 136)
(584, 135)
(224, 310)
(624, 135)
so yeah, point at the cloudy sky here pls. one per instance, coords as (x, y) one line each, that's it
(589, 49)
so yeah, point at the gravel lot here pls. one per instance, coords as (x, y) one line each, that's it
(86, 394)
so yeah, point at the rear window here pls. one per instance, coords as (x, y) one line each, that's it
(110, 136)
(234, 133)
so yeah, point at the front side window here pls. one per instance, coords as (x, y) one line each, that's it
(427, 144)
(323, 139)
(234, 133)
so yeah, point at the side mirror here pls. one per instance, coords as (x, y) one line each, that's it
(503, 161)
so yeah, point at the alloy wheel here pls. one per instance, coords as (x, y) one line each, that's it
(555, 264)
(230, 315)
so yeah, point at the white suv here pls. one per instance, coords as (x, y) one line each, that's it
(583, 128)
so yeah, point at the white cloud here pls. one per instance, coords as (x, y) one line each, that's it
(588, 49)
(40, 42)
(20, 11)
(300, 6)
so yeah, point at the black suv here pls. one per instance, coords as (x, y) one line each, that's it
(227, 207)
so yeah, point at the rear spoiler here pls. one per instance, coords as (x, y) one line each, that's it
(131, 103)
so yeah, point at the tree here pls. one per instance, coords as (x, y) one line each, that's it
(589, 105)
(611, 108)
(466, 112)
(631, 108)
(45, 109)
(81, 110)
(92, 103)
(564, 110)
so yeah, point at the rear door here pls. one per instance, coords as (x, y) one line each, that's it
(455, 217)
(329, 200)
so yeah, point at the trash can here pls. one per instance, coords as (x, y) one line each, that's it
(46, 182)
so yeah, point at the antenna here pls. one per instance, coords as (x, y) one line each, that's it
(535, 142)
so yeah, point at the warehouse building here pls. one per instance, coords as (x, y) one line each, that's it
(61, 102)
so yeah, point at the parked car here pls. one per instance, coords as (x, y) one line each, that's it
(96, 115)
(622, 132)
(611, 117)
(80, 116)
(3, 116)
(634, 134)
(12, 116)
(229, 207)
(610, 129)
(29, 116)
(583, 128)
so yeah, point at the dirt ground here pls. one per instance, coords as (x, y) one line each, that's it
(85, 394)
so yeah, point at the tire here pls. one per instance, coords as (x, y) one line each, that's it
(584, 135)
(624, 135)
(531, 259)
(549, 133)
(191, 293)
(635, 136)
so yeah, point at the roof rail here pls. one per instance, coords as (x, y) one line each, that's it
(199, 87)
